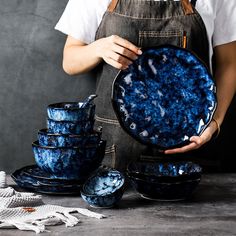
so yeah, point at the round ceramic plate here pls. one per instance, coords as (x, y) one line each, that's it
(166, 96)
(32, 179)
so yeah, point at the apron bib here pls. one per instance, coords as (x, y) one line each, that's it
(145, 23)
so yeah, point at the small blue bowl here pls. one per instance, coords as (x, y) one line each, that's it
(104, 189)
(69, 162)
(170, 181)
(46, 138)
(69, 127)
(70, 111)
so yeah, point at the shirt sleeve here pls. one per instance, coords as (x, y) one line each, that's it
(81, 19)
(225, 22)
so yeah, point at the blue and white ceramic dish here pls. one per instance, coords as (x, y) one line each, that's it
(165, 181)
(70, 111)
(69, 162)
(104, 189)
(46, 138)
(69, 127)
(166, 96)
(174, 171)
(34, 179)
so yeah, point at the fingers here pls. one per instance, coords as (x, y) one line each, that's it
(124, 52)
(115, 64)
(125, 44)
(125, 62)
(186, 148)
(118, 52)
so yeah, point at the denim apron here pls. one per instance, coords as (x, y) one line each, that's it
(145, 23)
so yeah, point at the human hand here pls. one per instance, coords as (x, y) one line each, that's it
(117, 52)
(196, 141)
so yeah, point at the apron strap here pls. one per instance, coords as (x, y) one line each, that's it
(187, 6)
(112, 5)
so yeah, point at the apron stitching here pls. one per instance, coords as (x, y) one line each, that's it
(107, 121)
(160, 33)
(151, 18)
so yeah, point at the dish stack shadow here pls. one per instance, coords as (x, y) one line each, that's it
(69, 148)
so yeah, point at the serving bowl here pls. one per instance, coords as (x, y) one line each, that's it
(104, 188)
(69, 127)
(70, 111)
(164, 181)
(46, 138)
(69, 162)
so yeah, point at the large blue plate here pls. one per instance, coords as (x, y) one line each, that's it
(166, 96)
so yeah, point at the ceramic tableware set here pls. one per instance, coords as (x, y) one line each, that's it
(163, 99)
(67, 152)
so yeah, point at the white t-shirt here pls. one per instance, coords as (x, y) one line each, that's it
(81, 19)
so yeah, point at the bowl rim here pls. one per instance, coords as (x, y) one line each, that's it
(44, 131)
(165, 183)
(35, 144)
(55, 106)
(107, 169)
(71, 122)
(165, 162)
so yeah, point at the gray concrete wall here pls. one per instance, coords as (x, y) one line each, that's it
(31, 77)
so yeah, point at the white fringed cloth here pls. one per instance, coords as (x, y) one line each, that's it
(27, 211)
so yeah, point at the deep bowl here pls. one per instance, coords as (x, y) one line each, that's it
(46, 138)
(69, 127)
(164, 181)
(69, 162)
(104, 189)
(70, 111)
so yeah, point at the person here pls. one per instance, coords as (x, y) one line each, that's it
(110, 34)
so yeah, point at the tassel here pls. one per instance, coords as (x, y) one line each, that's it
(89, 213)
(63, 218)
(48, 221)
(71, 219)
(27, 226)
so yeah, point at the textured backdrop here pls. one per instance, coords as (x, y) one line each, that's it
(31, 77)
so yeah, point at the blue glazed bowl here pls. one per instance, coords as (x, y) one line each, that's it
(164, 181)
(69, 162)
(104, 189)
(69, 127)
(46, 138)
(70, 111)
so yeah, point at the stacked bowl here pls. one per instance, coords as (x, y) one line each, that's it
(70, 148)
(170, 181)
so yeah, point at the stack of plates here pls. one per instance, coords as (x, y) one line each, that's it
(36, 180)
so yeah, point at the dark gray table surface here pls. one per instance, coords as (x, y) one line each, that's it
(212, 211)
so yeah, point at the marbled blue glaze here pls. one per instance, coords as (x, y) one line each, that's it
(68, 140)
(166, 96)
(166, 181)
(69, 127)
(70, 111)
(165, 171)
(25, 178)
(104, 188)
(38, 174)
(69, 162)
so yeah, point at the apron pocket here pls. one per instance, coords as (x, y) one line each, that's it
(155, 38)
